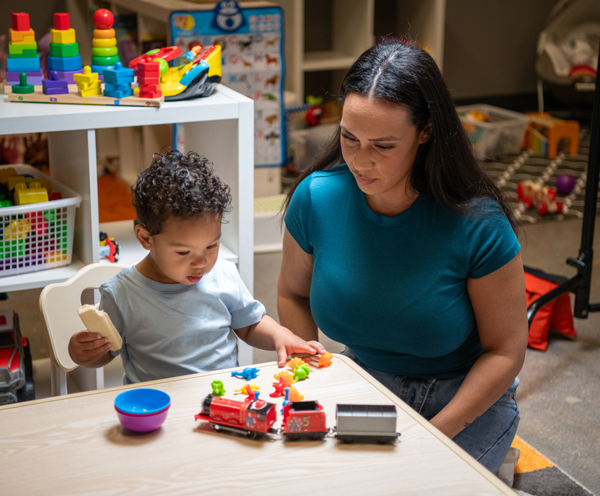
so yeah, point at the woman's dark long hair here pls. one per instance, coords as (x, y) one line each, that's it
(445, 168)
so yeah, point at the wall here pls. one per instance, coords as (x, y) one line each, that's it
(40, 14)
(490, 47)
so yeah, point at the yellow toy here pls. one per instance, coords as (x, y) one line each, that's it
(244, 389)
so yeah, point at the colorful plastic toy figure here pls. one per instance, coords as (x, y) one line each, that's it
(531, 194)
(279, 388)
(289, 380)
(247, 389)
(248, 373)
(294, 395)
(301, 372)
(325, 360)
(295, 361)
(109, 248)
(217, 388)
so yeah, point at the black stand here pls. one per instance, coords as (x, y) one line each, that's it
(581, 283)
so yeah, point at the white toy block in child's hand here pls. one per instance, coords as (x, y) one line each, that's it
(98, 321)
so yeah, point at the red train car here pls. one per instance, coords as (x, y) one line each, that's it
(304, 420)
(251, 416)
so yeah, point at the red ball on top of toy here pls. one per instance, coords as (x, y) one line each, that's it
(103, 19)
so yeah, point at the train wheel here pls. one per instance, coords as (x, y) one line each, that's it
(251, 434)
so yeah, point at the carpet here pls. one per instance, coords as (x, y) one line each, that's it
(535, 475)
(509, 170)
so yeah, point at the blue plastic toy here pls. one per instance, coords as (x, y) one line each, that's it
(248, 373)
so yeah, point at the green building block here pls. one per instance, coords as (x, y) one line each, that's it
(27, 54)
(23, 88)
(19, 49)
(105, 60)
(64, 50)
(105, 52)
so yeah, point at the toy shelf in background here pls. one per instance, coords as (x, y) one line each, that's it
(251, 40)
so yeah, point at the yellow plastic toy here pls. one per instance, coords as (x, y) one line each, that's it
(244, 389)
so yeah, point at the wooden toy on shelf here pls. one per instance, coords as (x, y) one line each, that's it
(88, 83)
(105, 53)
(545, 133)
(64, 50)
(22, 52)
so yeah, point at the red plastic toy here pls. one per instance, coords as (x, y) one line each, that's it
(304, 420)
(252, 417)
(532, 194)
(103, 19)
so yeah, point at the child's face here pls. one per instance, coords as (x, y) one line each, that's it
(184, 251)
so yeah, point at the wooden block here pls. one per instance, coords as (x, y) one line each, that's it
(65, 36)
(20, 21)
(62, 21)
(87, 77)
(14, 35)
(27, 40)
(64, 49)
(96, 90)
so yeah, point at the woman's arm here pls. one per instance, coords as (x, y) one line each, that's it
(498, 301)
(293, 290)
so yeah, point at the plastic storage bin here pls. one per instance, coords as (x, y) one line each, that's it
(502, 134)
(37, 236)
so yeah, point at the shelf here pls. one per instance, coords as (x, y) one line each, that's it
(326, 61)
(33, 280)
(130, 250)
(19, 117)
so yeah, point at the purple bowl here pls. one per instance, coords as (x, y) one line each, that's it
(142, 423)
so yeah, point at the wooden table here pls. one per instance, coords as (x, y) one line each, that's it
(75, 445)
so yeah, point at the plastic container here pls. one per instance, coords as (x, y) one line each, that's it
(37, 236)
(142, 409)
(501, 134)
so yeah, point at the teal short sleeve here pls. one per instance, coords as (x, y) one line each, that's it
(490, 242)
(298, 215)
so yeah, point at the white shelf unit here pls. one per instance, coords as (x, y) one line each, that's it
(353, 29)
(221, 127)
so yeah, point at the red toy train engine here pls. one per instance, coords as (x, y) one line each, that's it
(251, 417)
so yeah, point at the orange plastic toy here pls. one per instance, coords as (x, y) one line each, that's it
(325, 360)
(296, 361)
(294, 395)
(286, 376)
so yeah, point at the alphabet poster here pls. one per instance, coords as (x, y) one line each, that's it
(251, 40)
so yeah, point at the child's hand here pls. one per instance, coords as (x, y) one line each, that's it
(286, 343)
(87, 347)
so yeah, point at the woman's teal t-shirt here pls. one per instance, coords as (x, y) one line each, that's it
(394, 289)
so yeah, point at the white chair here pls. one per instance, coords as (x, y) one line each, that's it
(59, 303)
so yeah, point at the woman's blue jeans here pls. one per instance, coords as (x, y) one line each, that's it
(487, 439)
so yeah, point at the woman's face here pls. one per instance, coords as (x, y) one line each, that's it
(379, 144)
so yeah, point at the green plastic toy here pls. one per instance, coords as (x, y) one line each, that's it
(217, 388)
(301, 372)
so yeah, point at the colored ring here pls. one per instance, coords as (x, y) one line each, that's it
(104, 33)
(105, 60)
(105, 52)
(104, 42)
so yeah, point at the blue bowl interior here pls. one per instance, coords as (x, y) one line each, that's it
(142, 401)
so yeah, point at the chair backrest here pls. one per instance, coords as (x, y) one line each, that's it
(59, 303)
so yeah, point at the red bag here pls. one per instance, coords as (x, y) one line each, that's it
(556, 315)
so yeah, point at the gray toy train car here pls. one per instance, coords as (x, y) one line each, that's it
(366, 423)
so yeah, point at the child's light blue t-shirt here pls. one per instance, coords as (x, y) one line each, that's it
(394, 289)
(177, 329)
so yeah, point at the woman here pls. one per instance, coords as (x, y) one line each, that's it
(407, 254)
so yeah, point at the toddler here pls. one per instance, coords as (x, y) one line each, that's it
(181, 309)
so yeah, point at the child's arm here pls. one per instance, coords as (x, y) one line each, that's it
(269, 335)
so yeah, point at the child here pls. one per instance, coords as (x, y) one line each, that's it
(181, 308)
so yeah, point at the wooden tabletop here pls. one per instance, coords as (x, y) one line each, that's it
(75, 445)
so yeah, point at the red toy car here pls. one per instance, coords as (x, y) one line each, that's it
(304, 420)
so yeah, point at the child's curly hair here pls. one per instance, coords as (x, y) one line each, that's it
(180, 186)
